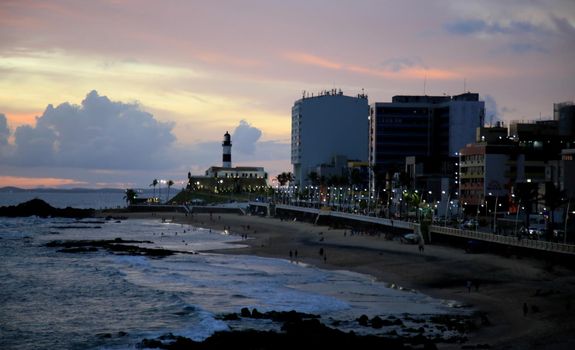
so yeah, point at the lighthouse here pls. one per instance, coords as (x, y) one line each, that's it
(227, 151)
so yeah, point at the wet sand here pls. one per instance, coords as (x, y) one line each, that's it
(506, 283)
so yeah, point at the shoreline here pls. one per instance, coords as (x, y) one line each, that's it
(441, 272)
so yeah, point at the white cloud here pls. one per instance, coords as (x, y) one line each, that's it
(4, 130)
(245, 137)
(98, 134)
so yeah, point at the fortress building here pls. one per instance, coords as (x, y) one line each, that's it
(227, 178)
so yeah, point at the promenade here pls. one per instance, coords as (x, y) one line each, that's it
(434, 230)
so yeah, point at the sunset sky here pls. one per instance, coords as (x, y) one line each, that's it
(116, 93)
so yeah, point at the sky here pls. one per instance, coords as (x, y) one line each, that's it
(117, 93)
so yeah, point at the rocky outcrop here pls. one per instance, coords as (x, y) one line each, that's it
(37, 207)
(116, 246)
(296, 334)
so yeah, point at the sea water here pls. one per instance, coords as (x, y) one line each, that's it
(77, 199)
(102, 300)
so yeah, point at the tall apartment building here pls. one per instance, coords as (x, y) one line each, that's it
(326, 126)
(432, 127)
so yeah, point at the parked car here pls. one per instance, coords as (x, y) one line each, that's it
(536, 231)
(409, 238)
(470, 224)
(558, 235)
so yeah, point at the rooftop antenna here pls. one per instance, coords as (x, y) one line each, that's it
(425, 84)
(464, 85)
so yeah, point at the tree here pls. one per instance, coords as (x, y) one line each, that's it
(356, 178)
(130, 196)
(284, 178)
(527, 193)
(411, 199)
(170, 184)
(404, 180)
(154, 184)
(553, 199)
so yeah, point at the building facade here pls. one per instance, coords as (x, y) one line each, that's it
(326, 126)
(426, 127)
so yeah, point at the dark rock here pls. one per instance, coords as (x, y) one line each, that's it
(114, 246)
(230, 317)
(38, 207)
(362, 320)
(245, 312)
(429, 345)
(256, 314)
(78, 250)
(376, 322)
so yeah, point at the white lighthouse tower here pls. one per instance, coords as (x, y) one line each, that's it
(227, 151)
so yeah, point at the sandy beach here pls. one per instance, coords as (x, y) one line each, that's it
(505, 283)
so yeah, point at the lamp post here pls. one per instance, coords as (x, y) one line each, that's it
(479, 205)
(446, 206)
(494, 213)
(516, 214)
(566, 217)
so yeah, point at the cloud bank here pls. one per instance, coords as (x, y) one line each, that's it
(107, 143)
(245, 137)
(4, 131)
(98, 134)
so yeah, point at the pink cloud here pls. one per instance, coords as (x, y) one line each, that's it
(407, 73)
(33, 182)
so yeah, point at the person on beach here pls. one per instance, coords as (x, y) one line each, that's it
(290, 255)
(468, 286)
(421, 247)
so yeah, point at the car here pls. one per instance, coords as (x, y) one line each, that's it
(469, 224)
(409, 238)
(536, 231)
(558, 235)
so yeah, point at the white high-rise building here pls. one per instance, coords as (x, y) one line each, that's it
(325, 126)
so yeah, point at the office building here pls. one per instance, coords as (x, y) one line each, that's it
(325, 126)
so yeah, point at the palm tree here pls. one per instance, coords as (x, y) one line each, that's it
(527, 193)
(284, 178)
(553, 199)
(130, 196)
(170, 184)
(154, 183)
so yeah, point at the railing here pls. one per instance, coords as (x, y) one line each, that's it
(509, 240)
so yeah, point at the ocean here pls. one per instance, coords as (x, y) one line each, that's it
(102, 300)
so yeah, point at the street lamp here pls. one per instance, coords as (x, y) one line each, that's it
(516, 214)
(446, 206)
(494, 213)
